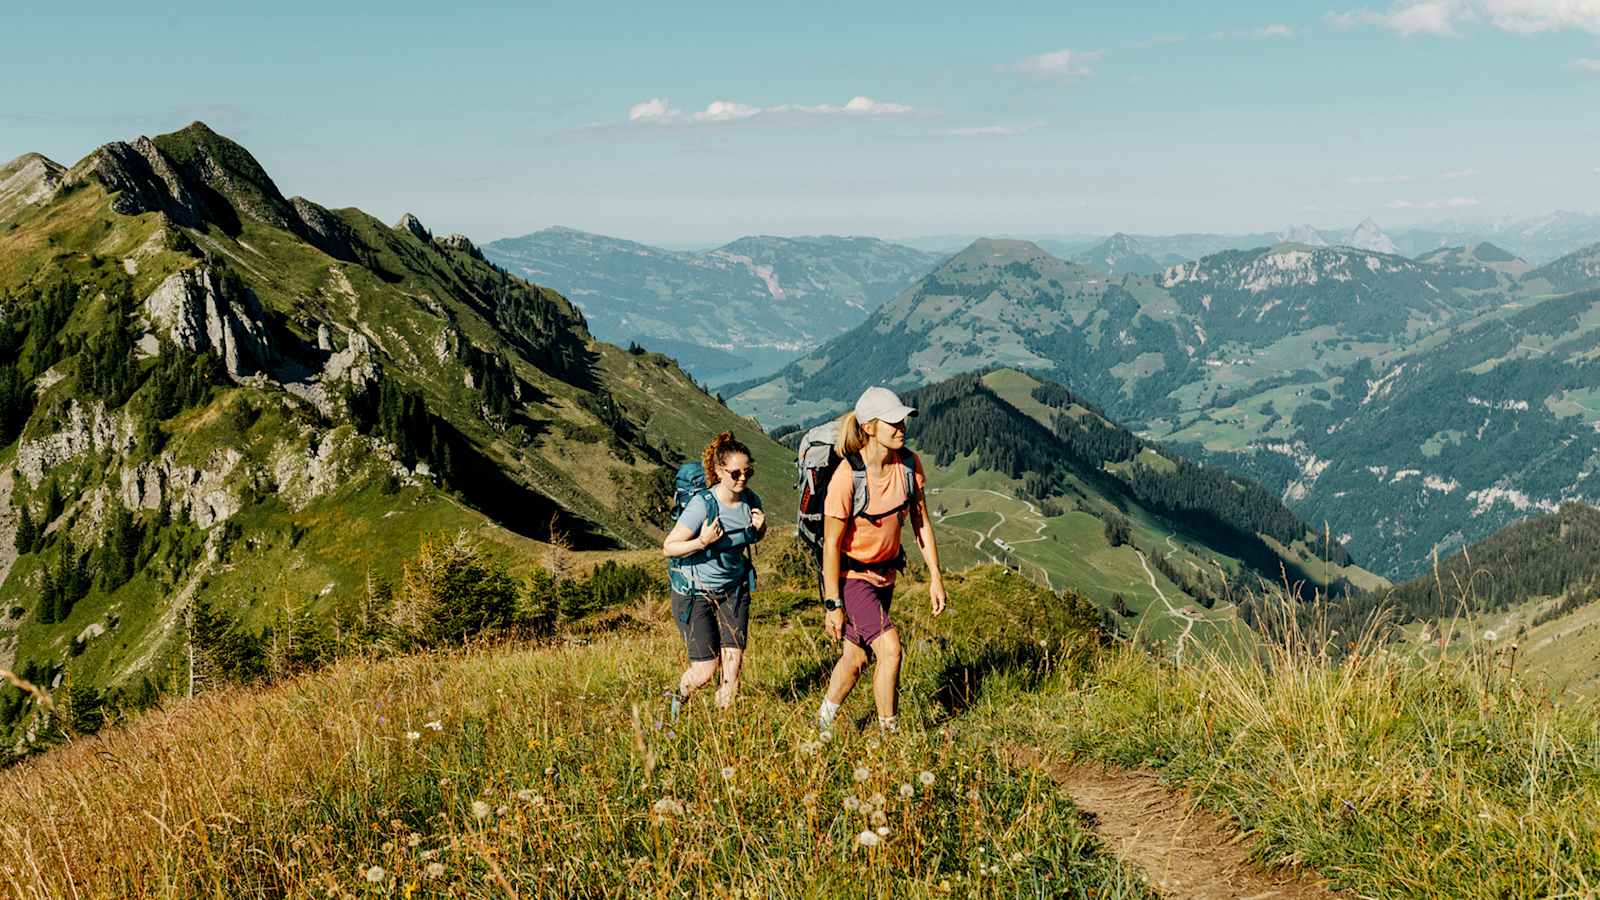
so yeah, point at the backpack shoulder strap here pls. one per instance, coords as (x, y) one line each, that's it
(858, 479)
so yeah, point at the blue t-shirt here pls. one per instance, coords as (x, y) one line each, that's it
(723, 564)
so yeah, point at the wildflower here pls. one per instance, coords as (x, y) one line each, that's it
(501, 810)
(667, 806)
(907, 790)
(413, 839)
(435, 870)
(1016, 857)
(862, 774)
(878, 818)
(435, 725)
(727, 772)
(480, 809)
(413, 735)
(926, 778)
(868, 839)
(375, 874)
(428, 854)
(852, 803)
(810, 747)
(387, 846)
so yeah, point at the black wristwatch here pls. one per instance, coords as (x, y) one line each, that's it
(831, 603)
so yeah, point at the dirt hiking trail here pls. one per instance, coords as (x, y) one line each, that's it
(1183, 850)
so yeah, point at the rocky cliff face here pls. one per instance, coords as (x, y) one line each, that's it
(201, 310)
(27, 180)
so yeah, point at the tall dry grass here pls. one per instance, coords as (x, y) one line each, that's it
(546, 772)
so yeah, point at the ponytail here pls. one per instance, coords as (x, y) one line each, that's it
(852, 437)
(721, 447)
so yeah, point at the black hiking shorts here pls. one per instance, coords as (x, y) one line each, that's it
(712, 621)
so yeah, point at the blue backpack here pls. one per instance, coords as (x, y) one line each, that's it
(689, 486)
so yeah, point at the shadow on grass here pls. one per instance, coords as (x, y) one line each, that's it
(963, 678)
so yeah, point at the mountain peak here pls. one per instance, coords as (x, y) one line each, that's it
(411, 223)
(1368, 236)
(1302, 234)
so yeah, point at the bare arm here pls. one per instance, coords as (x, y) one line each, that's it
(922, 528)
(832, 584)
(682, 541)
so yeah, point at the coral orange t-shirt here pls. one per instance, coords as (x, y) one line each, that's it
(864, 541)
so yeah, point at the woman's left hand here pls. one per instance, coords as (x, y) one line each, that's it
(758, 520)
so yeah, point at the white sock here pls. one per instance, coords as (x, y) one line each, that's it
(889, 723)
(826, 711)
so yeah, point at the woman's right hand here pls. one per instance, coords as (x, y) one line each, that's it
(710, 532)
(833, 623)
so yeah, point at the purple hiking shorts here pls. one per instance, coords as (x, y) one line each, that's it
(866, 611)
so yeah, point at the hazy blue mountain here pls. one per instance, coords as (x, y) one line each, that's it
(1120, 255)
(735, 311)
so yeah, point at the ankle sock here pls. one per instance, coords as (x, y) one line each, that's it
(890, 724)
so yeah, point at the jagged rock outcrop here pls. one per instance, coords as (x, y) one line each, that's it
(140, 180)
(202, 494)
(88, 429)
(202, 309)
(27, 180)
(412, 224)
(461, 243)
(326, 231)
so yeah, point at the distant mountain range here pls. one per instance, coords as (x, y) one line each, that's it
(1539, 240)
(737, 311)
(1408, 403)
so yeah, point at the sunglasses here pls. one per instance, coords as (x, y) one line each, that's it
(736, 474)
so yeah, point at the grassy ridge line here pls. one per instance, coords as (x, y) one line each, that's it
(546, 770)
(1389, 778)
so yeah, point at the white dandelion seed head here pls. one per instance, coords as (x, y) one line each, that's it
(883, 830)
(879, 801)
(852, 803)
(435, 870)
(480, 809)
(413, 735)
(526, 795)
(926, 778)
(549, 770)
(873, 743)
(878, 818)
(862, 773)
(868, 838)
(809, 800)
(907, 791)
(427, 855)
(1016, 856)
(667, 806)
(375, 874)
(501, 810)
(413, 840)
(727, 772)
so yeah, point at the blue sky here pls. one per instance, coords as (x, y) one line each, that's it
(674, 125)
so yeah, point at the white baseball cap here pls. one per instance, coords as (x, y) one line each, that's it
(882, 404)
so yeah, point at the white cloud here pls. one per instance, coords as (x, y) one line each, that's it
(726, 111)
(655, 109)
(1457, 174)
(1447, 203)
(1060, 64)
(658, 111)
(1407, 19)
(1275, 30)
(1380, 179)
(981, 131)
(1442, 17)
(1586, 65)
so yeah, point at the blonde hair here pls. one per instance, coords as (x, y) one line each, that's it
(852, 437)
(717, 452)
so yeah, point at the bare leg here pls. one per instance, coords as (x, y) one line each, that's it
(845, 672)
(697, 676)
(886, 673)
(732, 661)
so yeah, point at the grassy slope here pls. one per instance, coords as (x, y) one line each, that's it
(583, 789)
